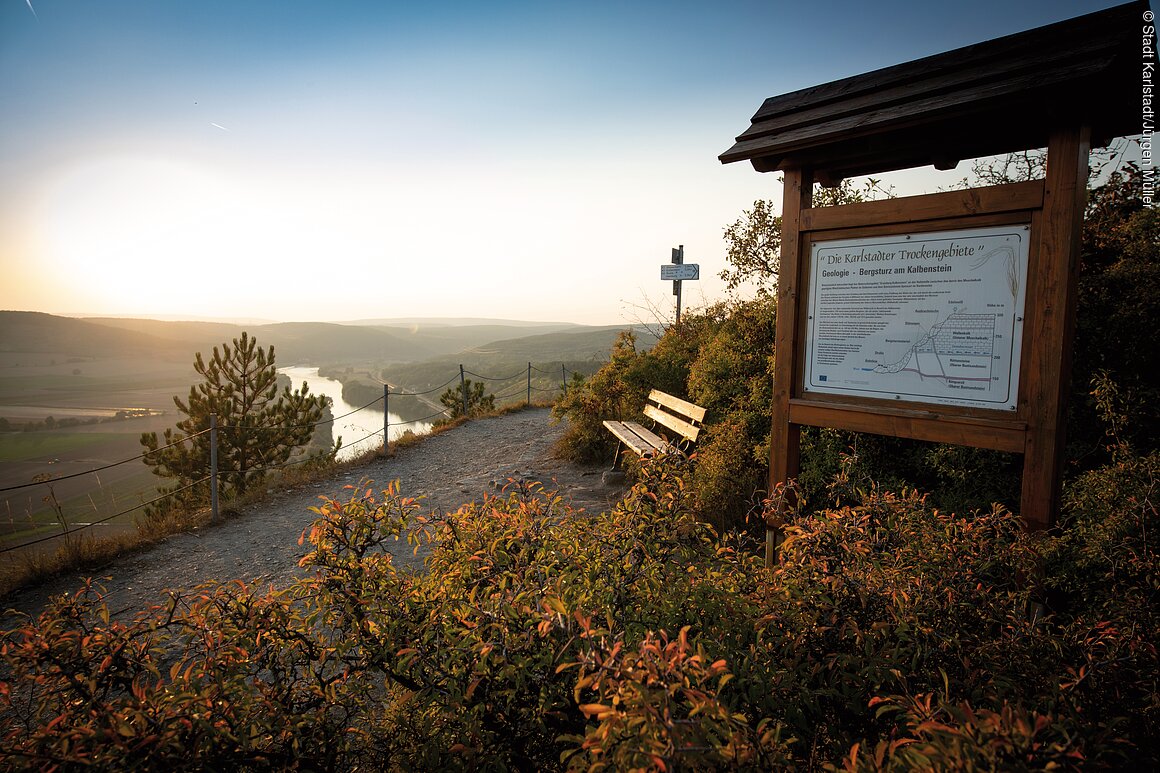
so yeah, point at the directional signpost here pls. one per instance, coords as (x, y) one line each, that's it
(678, 271)
(681, 272)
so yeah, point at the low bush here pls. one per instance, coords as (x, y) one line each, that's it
(891, 635)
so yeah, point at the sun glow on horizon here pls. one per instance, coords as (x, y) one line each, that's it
(327, 163)
(148, 234)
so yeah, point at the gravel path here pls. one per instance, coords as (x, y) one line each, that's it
(447, 469)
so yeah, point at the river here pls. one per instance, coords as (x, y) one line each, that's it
(361, 430)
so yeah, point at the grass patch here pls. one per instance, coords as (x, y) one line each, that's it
(77, 552)
(23, 446)
(13, 387)
(22, 518)
(113, 496)
(32, 388)
(86, 550)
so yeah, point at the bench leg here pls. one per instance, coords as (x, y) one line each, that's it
(614, 476)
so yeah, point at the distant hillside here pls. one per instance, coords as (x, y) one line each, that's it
(459, 322)
(31, 331)
(504, 362)
(440, 339)
(186, 332)
(313, 343)
(325, 343)
(572, 344)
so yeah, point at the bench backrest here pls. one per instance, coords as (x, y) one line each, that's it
(679, 415)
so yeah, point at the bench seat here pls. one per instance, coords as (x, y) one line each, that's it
(643, 442)
(679, 416)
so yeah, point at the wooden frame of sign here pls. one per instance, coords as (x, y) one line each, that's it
(1065, 86)
(1051, 209)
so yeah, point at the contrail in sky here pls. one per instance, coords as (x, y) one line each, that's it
(218, 125)
(31, 8)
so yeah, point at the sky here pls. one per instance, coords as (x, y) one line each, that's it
(338, 160)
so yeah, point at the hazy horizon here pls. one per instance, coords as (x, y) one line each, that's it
(445, 320)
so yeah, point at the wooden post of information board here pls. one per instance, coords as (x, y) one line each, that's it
(785, 441)
(1051, 306)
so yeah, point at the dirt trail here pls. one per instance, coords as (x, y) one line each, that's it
(261, 543)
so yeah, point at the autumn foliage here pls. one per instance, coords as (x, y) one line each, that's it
(890, 636)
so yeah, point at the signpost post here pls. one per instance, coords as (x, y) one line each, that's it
(678, 271)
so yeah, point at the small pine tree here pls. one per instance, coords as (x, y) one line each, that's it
(258, 429)
(477, 401)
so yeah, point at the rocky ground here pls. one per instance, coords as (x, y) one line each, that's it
(261, 541)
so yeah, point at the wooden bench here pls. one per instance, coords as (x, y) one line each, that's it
(680, 416)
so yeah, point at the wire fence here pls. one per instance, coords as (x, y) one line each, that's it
(462, 404)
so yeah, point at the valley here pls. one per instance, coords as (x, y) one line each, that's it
(76, 394)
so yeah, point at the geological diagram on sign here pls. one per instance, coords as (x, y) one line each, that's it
(936, 318)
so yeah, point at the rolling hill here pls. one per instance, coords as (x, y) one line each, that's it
(314, 343)
(34, 332)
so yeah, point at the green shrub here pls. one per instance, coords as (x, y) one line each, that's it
(1118, 302)
(732, 377)
(938, 735)
(619, 388)
(890, 591)
(605, 395)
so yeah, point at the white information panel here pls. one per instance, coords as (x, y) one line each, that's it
(931, 317)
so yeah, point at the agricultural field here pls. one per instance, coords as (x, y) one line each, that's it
(63, 416)
(96, 387)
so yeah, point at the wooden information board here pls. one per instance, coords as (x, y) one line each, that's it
(1026, 324)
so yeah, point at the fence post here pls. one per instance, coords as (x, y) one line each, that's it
(529, 384)
(386, 420)
(213, 468)
(463, 390)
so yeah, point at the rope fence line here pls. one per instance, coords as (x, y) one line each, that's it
(100, 469)
(305, 426)
(91, 524)
(446, 383)
(496, 378)
(215, 472)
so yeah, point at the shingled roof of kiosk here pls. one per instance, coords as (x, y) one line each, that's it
(1000, 96)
